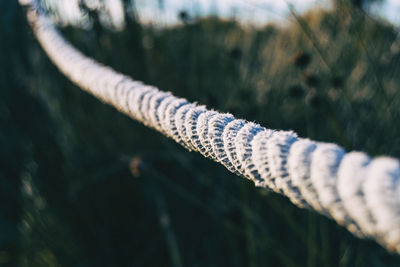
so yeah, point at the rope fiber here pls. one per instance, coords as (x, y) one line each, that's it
(358, 192)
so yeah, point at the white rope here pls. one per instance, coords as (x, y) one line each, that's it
(358, 192)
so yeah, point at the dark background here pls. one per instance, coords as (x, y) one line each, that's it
(83, 185)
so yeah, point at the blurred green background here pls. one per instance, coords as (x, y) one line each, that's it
(83, 185)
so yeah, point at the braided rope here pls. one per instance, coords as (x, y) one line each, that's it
(358, 192)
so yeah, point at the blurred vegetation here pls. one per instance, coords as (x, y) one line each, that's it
(83, 185)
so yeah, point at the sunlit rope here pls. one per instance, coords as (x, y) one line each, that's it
(358, 192)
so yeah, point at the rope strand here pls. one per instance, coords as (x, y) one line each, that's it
(360, 193)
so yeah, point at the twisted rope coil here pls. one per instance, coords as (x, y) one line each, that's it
(358, 192)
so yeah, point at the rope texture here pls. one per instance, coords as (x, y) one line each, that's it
(358, 192)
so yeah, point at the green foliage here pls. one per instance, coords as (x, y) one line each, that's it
(356, 3)
(83, 185)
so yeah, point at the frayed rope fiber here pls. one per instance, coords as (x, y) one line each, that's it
(358, 192)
